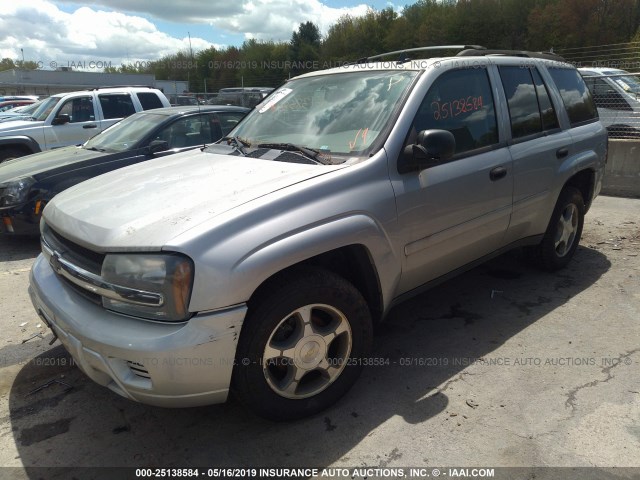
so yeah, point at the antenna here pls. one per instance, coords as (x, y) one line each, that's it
(204, 143)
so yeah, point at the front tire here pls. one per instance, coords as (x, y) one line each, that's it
(302, 345)
(563, 234)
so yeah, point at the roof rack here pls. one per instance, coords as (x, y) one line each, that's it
(401, 53)
(473, 52)
(119, 86)
(465, 51)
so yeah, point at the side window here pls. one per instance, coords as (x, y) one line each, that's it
(461, 102)
(218, 125)
(575, 95)
(522, 101)
(606, 96)
(79, 109)
(184, 132)
(116, 105)
(149, 100)
(549, 116)
(530, 107)
(600, 87)
(228, 121)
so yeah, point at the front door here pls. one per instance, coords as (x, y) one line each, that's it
(81, 127)
(456, 212)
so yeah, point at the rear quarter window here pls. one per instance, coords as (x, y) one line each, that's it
(149, 100)
(575, 95)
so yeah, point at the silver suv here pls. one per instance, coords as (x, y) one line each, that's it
(261, 264)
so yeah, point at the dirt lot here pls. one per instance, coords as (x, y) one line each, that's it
(505, 366)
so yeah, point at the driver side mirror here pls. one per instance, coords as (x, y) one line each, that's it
(432, 147)
(61, 119)
(157, 146)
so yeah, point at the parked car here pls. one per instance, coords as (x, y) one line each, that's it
(19, 112)
(18, 97)
(177, 100)
(245, 97)
(6, 105)
(27, 184)
(617, 95)
(260, 264)
(73, 118)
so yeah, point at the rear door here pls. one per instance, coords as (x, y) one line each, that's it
(114, 107)
(537, 145)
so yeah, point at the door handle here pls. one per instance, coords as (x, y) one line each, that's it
(497, 173)
(562, 152)
(91, 125)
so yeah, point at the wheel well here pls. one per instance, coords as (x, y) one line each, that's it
(585, 182)
(17, 147)
(353, 263)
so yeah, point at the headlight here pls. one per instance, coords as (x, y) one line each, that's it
(157, 287)
(15, 192)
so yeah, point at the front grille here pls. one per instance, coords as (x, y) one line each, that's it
(78, 255)
(138, 369)
(92, 297)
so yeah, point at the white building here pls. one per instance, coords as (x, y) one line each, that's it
(49, 82)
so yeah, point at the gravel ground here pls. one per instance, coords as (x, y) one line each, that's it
(504, 366)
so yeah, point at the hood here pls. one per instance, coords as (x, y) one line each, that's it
(144, 206)
(12, 117)
(9, 127)
(37, 163)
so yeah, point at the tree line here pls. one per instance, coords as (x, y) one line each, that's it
(500, 24)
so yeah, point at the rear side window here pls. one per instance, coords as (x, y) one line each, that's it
(461, 102)
(116, 105)
(149, 100)
(522, 101)
(529, 104)
(575, 95)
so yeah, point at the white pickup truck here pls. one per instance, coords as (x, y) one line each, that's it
(72, 118)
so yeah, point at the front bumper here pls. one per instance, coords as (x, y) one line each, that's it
(163, 364)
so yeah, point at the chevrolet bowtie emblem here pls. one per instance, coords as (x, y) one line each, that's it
(55, 262)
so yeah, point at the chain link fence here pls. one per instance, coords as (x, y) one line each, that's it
(612, 73)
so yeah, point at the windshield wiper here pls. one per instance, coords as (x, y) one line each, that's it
(237, 143)
(95, 149)
(310, 153)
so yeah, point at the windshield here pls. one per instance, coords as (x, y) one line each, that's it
(125, 134)
(44, 109)
(28, 109)
(629, 83)
(339, 114)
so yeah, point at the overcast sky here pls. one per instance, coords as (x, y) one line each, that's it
(54, 33)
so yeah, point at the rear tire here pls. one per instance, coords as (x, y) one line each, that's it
(302, 345)
(563, 234)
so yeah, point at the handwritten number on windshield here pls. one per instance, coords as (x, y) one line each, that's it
(362, 134)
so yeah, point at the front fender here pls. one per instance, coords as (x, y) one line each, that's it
(262, 262)
(20, 141)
